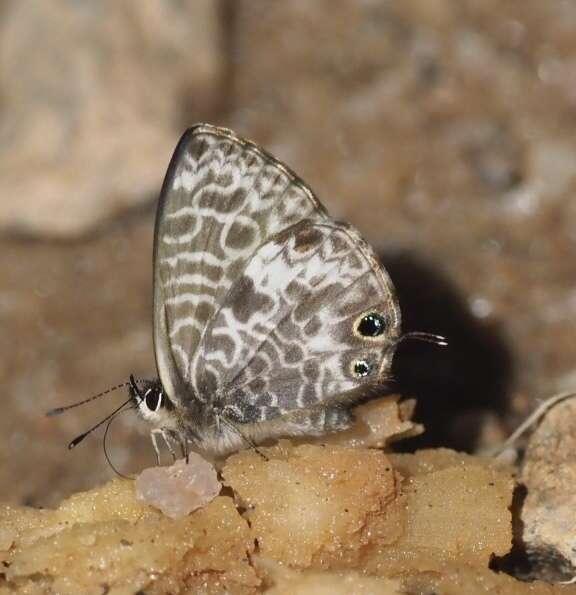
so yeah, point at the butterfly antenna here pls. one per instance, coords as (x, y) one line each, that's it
(59, 410)
(106, 449)
(438, 340)
(79, 439)
(133, 384)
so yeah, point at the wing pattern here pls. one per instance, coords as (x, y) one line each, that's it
(222, 197)
(258, 293)
(285, 337)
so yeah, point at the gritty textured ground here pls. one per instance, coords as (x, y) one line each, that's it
(304, 513)
(307, 519)
(444, 131)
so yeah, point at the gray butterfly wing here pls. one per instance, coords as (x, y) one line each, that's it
(222, 198)
(287, 338)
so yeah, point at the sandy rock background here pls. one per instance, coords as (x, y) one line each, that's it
(444, 131)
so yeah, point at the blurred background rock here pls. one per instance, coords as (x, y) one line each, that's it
(444, 131)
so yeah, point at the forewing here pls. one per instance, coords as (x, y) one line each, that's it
(222, 198)
(286, 336)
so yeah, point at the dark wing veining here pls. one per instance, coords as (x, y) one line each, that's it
(222, 198)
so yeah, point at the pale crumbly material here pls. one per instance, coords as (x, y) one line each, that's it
(305, 519)
(181, 488)
(378, 424)
(314, 506)
(443, 490)
(105, 541)
(281, 580)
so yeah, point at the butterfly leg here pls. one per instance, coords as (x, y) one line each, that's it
(168, 440)
(236, 429)
(154, 437)
(183, 447)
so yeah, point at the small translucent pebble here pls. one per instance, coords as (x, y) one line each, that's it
(180, 489)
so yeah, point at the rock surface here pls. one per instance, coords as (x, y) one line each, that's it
(549, 474)
(92, 107)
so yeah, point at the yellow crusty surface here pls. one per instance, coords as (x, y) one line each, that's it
(112, 543)
(302, 519)
(442, 494)
(310, 504)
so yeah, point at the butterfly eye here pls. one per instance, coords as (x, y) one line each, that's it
(362, 368)
(371, 325)
(153, 399)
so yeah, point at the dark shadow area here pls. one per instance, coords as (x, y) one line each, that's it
(516, 562)
(545, 564)
(454, 385)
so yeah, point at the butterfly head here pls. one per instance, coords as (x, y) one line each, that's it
(152, 402)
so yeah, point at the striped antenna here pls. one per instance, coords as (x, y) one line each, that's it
(59, 410)
(79, 439)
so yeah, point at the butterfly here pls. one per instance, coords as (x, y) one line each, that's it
(270, 318)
